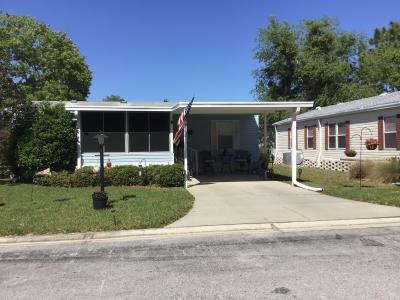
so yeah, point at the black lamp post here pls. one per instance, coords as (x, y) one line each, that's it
(100, 139)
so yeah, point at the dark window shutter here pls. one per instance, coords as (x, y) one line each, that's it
(305, 137)
(398, 131)
(326, 136)
(347, 134)
(380, 133)
(314, 133)
(288, 138)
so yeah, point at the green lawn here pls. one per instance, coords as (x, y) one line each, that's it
(339, 184)
(26, 208)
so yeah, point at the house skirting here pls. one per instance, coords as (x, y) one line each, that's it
(333, 165)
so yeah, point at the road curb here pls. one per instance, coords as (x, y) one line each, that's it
(168, 232)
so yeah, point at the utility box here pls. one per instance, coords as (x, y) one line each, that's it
(287, 158)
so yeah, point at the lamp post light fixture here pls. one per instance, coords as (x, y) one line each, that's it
(100, 139)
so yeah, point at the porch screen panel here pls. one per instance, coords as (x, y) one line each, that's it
(92, 124)
(114, 128)
(159, 131)
(111, 124)
(148, 132)
(138, 132)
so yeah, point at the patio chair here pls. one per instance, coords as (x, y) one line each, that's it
(242, 158)
(207, 161)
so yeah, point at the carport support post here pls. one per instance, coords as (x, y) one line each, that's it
(265, 133)
(185, 160)
(293, 146)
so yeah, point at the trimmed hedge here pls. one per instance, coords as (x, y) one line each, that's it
(160, 175)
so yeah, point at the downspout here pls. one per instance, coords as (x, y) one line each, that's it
(319, 143)
(79, 141)
(294, 156)
(276, 142)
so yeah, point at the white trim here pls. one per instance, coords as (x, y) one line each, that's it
(276, 142)
(234, 107)
(128, 153)
(390, 132)
(79, 142)
(126, 133)
(293, 149)
(171, 134)
(346, 113)
(265, 133)
(185, 157)
(319, 143)
(336, 136)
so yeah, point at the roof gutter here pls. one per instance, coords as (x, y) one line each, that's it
(385, 106)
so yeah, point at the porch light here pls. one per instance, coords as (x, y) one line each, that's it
(100, 139)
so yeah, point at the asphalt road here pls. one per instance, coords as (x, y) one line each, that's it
(345, 264)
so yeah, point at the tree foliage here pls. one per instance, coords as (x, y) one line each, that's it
(381, 64)
(50, 142)
(313, 61)
(113, 98)
(38, 63)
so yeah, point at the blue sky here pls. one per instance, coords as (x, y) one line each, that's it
(151, 50)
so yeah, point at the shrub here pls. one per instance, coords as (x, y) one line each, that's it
(168, 176)
(49, 143)
(366, 169)
(387, 171)
(164, 176)
(124, 175)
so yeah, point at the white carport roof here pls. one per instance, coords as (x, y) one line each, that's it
(198, 107)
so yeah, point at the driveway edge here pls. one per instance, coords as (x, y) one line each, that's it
(168, 232)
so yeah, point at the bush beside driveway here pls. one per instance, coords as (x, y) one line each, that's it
(27, 208)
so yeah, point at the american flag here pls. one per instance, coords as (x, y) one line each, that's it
(181, 122)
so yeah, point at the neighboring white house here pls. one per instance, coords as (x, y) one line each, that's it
(326, 132)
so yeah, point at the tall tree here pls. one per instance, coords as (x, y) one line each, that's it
(313, 61)
(40, 63)
(380, 66)
(36, 63)
(277, 51)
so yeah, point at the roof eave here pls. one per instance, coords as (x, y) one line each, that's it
(385, 106)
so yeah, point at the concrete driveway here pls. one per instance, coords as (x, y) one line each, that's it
(245, 199)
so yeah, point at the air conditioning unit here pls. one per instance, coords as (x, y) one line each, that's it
(287, 158)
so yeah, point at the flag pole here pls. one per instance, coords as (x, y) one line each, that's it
(185, 160)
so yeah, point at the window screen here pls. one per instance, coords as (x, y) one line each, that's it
(310, 137)
(113, 126)
(91, 121)
(390, 132)
(332, 136)
(148, 132)
(138, 122)
(341, 135)
(114, 122)
(159, 122)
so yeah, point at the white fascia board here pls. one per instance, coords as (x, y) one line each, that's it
(346, 113)
(117, 108)
(209, 106)
(267, 105)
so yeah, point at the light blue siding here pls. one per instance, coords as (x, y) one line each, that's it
(200, 128)
(117, 159)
